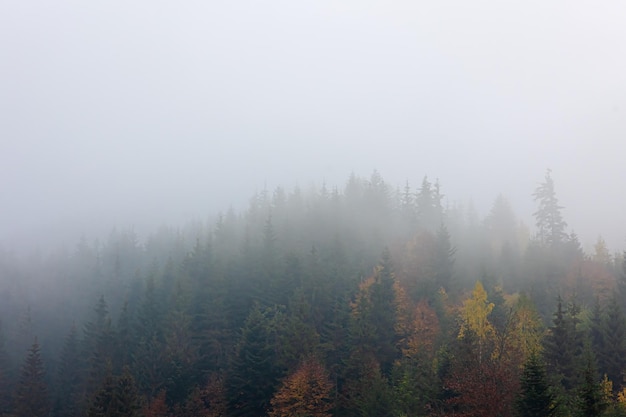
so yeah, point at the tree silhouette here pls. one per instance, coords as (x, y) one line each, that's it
(31, 397)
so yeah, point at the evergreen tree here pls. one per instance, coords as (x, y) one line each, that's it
(612, 353)
(117, 396)
(5, 376)
(548, 216)
(429, 208)
(564, 345)
(536, 398)
(98, 346)
(443, 260)
(31, 397)
(253, 376)
(591, 401)
(69, 397)
(373, 329)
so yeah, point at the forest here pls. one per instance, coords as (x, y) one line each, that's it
(365, 300)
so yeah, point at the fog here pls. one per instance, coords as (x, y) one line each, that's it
(149, 112)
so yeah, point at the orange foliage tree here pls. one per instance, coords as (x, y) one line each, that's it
(306, 392)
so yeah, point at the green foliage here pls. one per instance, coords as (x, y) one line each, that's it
(536, 398)
(563, 346)
(611, 351)
(254, 376)
(591, 401)
(242, 301)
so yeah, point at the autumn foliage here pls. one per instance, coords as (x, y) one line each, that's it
(306, 392)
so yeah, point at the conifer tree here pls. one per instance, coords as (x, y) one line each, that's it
(443, 260)
(429, 208)
(253, 375)
(69, 396)
(5, 376)
(548, 216)
(117, 396)
(564, 345)
(591, 401)
(612, 354)
(98, 346)
(31, 397)
(536, 398)
(373, 328)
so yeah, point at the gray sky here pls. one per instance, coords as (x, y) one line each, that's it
(149, 111)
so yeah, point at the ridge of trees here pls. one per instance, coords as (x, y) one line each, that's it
(366, 301)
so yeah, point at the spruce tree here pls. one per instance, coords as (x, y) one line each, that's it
(536, 398)
(548, 216)
(70, 378)
(564, 345)
(5, 376)
(31, 397)
(612, 354)
(253, 376)
(117, 397)
(590, 398)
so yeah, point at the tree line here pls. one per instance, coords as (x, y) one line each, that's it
(365, 301)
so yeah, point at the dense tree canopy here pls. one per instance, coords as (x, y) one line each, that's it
(348, 302)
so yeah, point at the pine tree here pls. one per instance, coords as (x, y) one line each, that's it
(536, 398)
(591, 401)
(564, 345)
(127, 396)
(31, 397)
(612, 354)
(373, 328)
(443, 260)
(98, 346)
(548, 216)
(429, 208)
(117, 396)
(103, 403)
(5, 376)
(253, 376)
(70, 378)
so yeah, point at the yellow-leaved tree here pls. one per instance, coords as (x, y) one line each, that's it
(474, 315)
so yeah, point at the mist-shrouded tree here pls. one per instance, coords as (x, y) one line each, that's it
(69, 383)
(5, 375)
(31, 396)
(253, 376)
(373, 330)
(549, 221)
(429, 207)
(116, 397)
(98, 345)
(443, 261)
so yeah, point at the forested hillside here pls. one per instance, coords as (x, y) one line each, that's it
(369, 300)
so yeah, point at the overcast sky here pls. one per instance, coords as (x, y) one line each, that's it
(141, 112)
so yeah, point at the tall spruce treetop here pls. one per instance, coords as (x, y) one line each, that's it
(548, 215)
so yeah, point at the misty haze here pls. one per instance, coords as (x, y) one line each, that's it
(312, 209)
